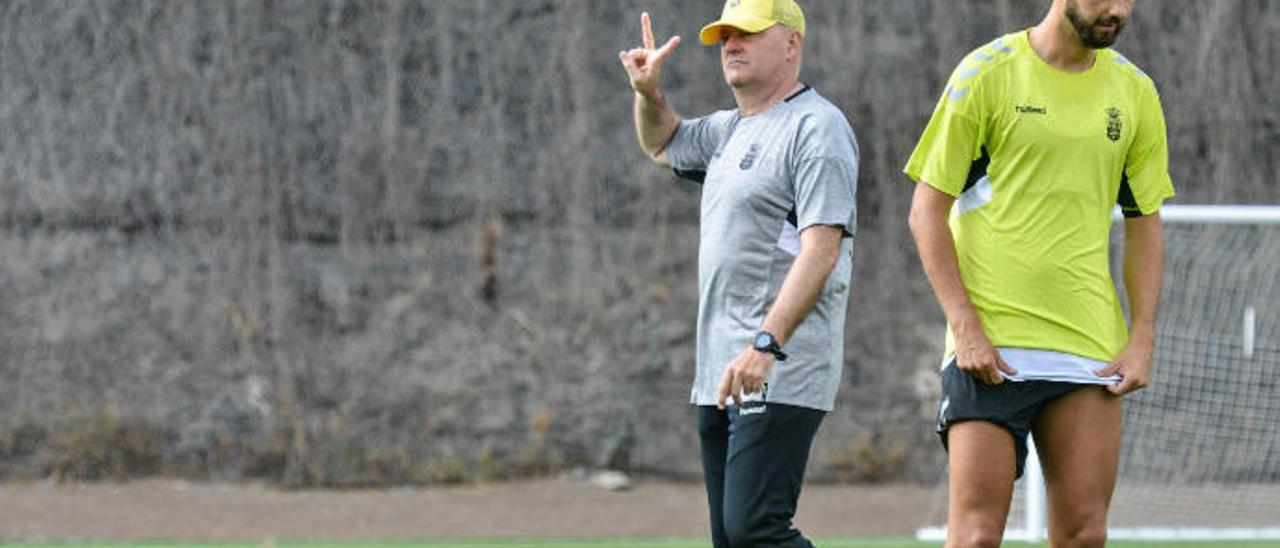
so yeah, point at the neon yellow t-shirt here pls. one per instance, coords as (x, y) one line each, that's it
(1037, 158)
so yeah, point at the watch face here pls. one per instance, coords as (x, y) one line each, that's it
(762, 341)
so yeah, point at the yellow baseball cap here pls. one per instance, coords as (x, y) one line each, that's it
(754, 16)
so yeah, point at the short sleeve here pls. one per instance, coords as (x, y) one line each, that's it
(826, 173)
(954, 137)
(695, 141)
(1146, 182)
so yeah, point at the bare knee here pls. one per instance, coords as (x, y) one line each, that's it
(981, 539)
(1085, 533)
(975, 536)
(1091, 537)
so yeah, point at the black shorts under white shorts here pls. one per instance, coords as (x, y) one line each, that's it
(1012, 405)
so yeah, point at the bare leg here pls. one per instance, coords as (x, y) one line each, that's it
(1078, 437)
(981, 457)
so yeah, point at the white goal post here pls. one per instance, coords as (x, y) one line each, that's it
(1201, 453)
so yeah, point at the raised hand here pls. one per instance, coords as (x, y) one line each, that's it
(644, 63)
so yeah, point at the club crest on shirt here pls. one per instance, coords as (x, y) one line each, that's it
(1114, 126)
(750, 158)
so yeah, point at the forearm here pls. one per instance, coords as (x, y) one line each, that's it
(937, 250)
(819, 252)
(655, 122)
(1143, 273)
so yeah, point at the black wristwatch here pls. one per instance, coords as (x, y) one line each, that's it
(764, 342)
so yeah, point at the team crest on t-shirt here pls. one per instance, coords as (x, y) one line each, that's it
(750, 158)
(1113, 124)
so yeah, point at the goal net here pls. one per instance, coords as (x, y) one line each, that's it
(1201, 453)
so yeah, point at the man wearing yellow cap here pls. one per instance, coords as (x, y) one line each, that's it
(775, 257)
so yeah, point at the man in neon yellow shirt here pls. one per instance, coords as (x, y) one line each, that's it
(1038, 135)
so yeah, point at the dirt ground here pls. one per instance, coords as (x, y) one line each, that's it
(561, 507)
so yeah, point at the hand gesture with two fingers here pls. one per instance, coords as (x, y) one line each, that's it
(644, 63)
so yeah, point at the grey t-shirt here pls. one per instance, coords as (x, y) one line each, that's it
(767, 177)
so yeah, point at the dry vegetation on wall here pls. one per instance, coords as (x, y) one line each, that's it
(359, 243)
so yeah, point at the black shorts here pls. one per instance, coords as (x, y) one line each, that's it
(1012, 405)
